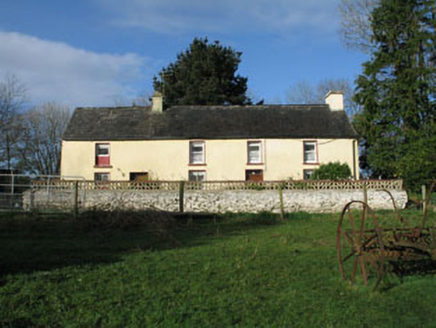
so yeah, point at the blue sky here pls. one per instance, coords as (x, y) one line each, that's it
(103, 52)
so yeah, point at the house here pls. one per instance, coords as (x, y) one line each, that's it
(213, 143)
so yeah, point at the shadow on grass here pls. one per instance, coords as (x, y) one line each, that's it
(34, 243)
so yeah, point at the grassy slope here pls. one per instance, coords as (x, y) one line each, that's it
(235, 272)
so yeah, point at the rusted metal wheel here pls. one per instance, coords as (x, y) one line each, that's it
(360, 245)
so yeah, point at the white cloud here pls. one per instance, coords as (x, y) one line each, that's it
(53, 71)
(177, 16)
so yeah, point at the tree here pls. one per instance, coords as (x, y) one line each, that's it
(397, 91)
(43, 127)
(205, 74)
(12, 99)
(355, 30)
(141, 100)
(303, 92)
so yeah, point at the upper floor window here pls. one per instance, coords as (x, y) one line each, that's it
(310, 152)
(254, 152)
(102, 155)
(196, 152)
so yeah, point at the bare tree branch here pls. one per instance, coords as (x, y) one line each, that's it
(304, 92)
(355, 30)
(12, 99)
(43, 127)
(142, 100)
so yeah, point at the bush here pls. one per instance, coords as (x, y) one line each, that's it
(332, 171)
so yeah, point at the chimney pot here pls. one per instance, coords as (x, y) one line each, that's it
(335, 100)
(157, 103)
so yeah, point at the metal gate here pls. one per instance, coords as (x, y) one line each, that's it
(17, 191)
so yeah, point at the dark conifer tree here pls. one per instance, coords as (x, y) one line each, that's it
(205, 74)
(397, 92)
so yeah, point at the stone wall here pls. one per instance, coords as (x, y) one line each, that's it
(314, 201)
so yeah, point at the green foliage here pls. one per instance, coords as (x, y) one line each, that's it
(255, 186)
(233, 271)
(205, 74)
(397, 91)
(332, 171)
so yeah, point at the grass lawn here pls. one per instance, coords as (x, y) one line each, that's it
(244, 271)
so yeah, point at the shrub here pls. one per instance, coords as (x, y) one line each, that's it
(332, 171)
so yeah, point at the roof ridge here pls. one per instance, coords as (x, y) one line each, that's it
(248, 106)
(115, 107)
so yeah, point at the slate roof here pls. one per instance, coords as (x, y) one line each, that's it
(209, 122)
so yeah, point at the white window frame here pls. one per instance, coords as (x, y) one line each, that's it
(108, 175)
(309, 173)
(307, 153)
(197, 157)
(193, 176)
(257, 158)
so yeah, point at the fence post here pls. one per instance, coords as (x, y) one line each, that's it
(365, 194)
(181, 196)
(282, 211)
(31, 197)
(76, 199)
(12, 183)
(365, 199)
(424, 199)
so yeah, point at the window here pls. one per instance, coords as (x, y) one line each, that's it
(102, 180)
(254, 152)
(307, 174)
(102, 157)
(196, 152)
(102, 177)
(254, 175)
(310, 152)
(197, 176)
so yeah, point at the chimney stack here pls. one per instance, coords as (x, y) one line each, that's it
(157, 102)
(335, 100)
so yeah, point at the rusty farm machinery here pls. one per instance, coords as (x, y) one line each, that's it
(367, 249)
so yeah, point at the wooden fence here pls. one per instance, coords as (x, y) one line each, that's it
(223, 185)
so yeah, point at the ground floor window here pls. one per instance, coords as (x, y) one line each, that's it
(307, 174)
(197, 176)
(254, 175)
(102, 180)
(102, 177)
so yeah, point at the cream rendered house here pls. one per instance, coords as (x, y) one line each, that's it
(213, 143)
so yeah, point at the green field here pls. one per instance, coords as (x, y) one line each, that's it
(235, 270)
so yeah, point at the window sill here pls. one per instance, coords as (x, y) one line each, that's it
(197, 164)
(103, 166)
(310, 163)
(257, 164)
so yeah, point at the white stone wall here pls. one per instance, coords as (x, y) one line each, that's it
(314, 201)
